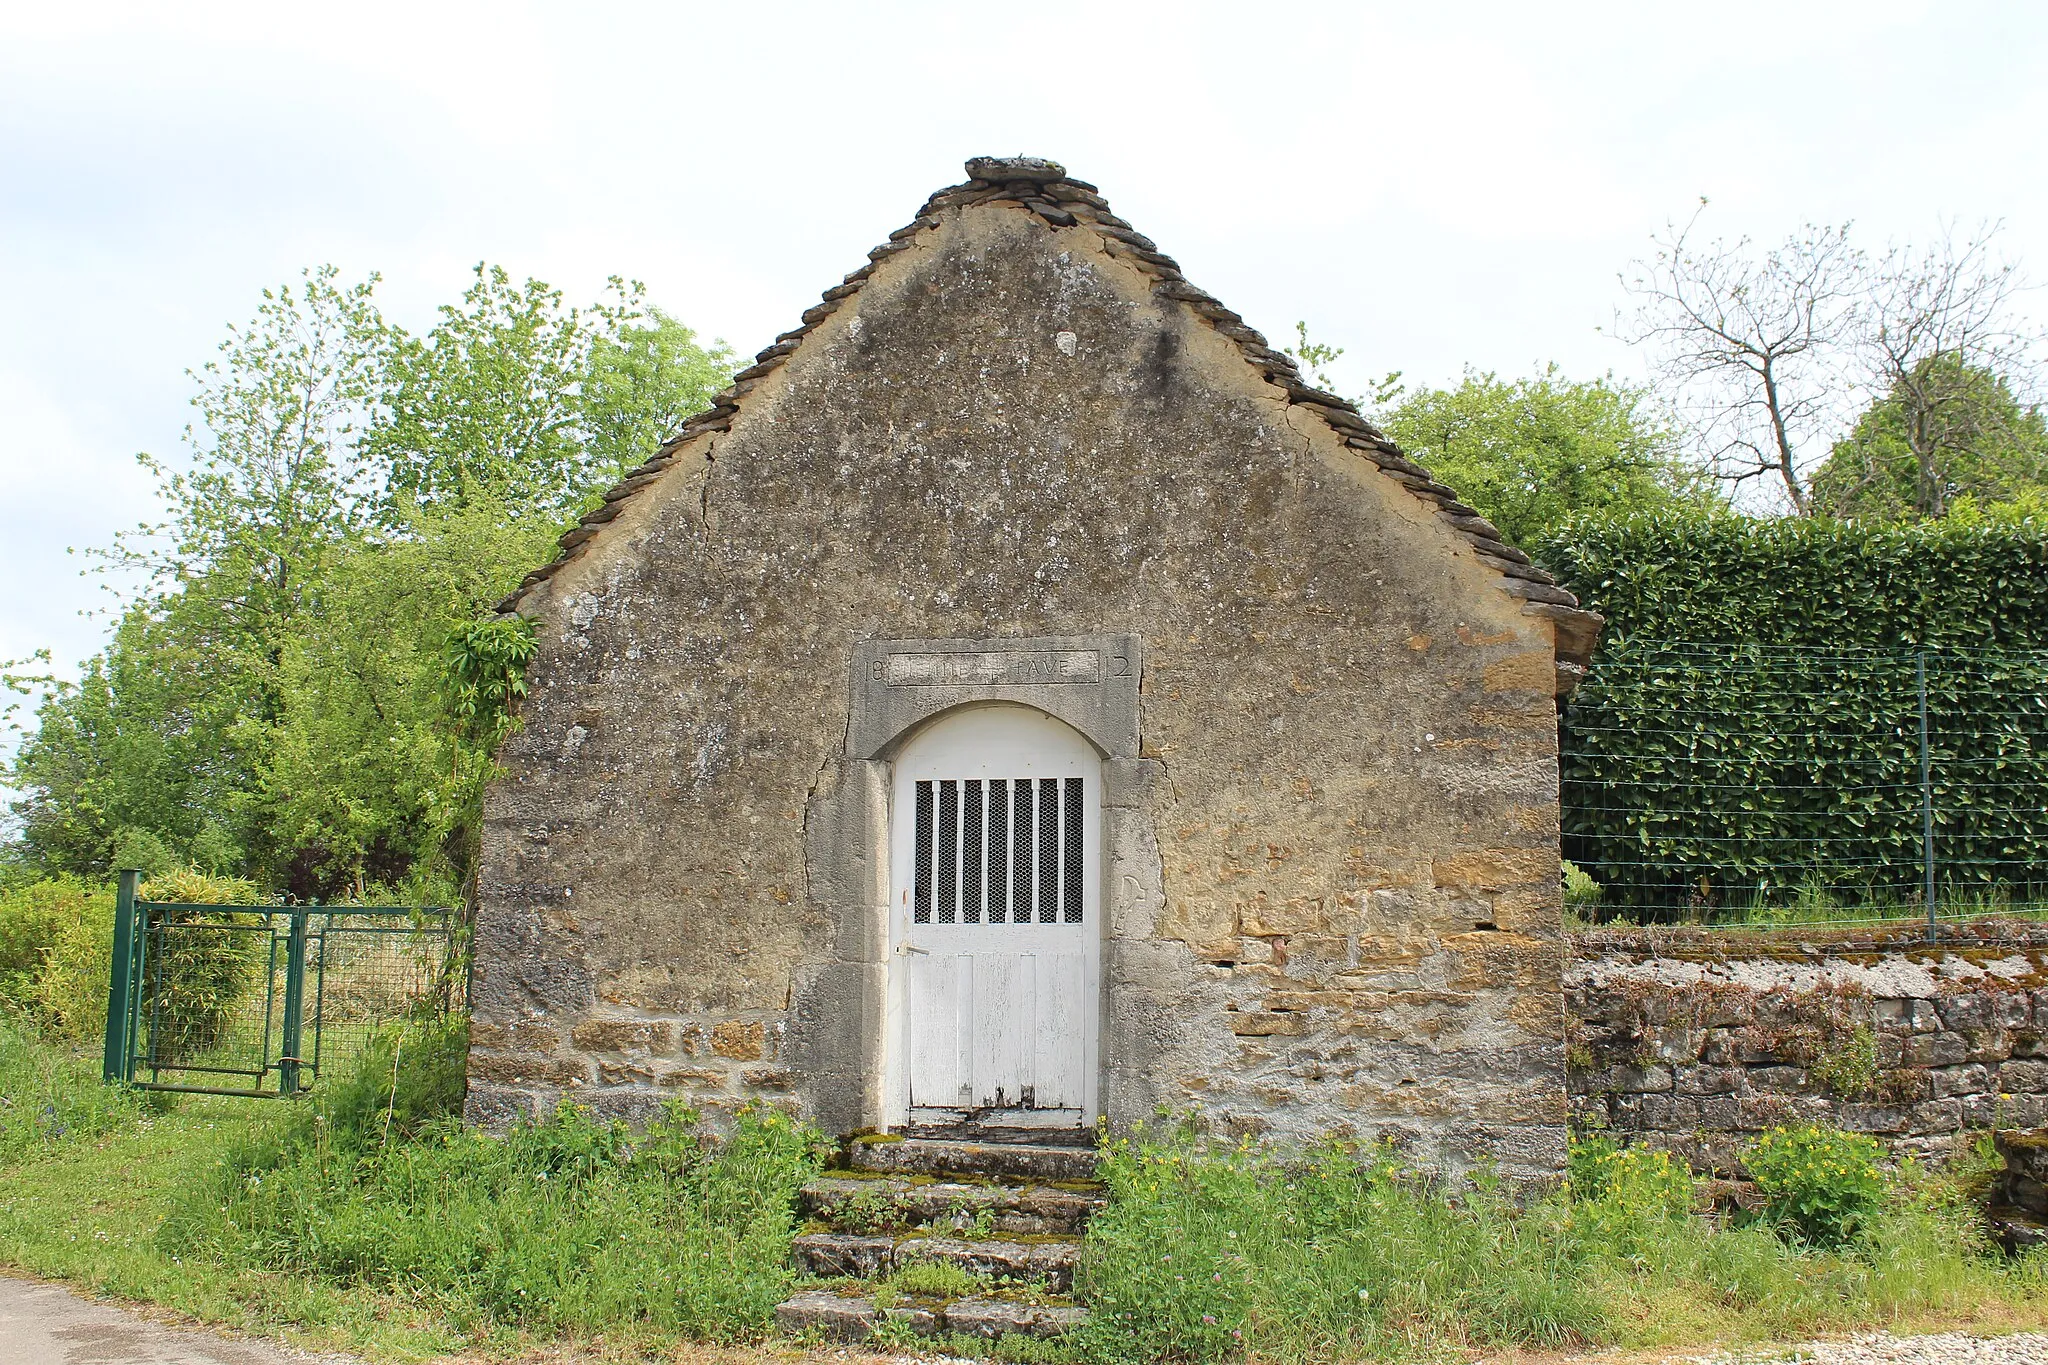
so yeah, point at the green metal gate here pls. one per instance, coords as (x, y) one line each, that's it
(254, 999)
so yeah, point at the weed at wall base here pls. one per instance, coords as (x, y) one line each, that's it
(1211, 1252)
(1207, 1252)
(571, 1224)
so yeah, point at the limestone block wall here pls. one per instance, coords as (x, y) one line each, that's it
(1696, 1042)
(711, 1063)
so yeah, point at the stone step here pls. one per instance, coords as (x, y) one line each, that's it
(973, 1130)
(846, 1255)
(999, 1160)
(2015, 1229)
(856, 1319)
(882, 1204)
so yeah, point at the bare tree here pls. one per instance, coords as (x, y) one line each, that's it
(1941, 342)
(1751, 345)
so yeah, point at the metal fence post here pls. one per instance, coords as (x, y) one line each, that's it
(120, 1044)
(294, 1003)
(1926, 805)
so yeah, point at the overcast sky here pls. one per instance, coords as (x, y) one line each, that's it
(1428, 185)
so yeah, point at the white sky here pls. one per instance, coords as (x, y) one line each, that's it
(1428, 185)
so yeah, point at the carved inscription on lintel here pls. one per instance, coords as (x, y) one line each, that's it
(999, 668)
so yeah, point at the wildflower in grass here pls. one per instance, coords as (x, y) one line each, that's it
(1819, 1184)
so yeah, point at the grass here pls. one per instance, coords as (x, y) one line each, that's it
(371, 1222)
(88, 1209)
(1210, 1252)
(1813, 901)
(573, 1226)
(48, 1099)
(368, 1222)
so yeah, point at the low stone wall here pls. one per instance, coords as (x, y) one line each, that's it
(1697, 1040)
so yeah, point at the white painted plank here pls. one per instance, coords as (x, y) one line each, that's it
(1059, 1033)
(994, 1064)
(963, 1028)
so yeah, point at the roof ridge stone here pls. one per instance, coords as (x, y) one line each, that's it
(1044, 188)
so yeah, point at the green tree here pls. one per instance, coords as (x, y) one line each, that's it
(518, 398)
(166, 729)
(485, 402)
(639, 385)
(144, 743)
(1532, 453)
(29, 678)
(375, 773)
(281, 698)
(274, 480)
(1952, 432)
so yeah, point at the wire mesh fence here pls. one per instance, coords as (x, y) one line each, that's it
(1747, 784)
(259, 1000)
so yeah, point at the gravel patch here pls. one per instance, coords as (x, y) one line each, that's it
(1882, 1348)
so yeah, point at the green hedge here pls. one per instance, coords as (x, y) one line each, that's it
(1748, 737)
(1810, 584)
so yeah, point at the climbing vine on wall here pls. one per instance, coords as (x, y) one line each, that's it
(487, 675)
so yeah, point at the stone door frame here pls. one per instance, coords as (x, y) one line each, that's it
(837, 1045)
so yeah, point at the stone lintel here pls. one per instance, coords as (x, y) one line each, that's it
(1088, 681)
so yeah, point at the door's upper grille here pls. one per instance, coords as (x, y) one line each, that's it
(998, 848)
(1020, 853)
(949, 850)
(1000, 851)
(971, 827)
(1048, 850)
(922, 909)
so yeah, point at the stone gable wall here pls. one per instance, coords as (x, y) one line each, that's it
(1341, 826)
(1697, 1046)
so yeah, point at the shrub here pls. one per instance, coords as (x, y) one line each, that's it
(69, 993)
(199, 979)
(33, 917)
(1819, 1183)
(1803, 582)
(57, 944)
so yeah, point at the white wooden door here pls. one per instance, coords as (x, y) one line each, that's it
(995, 934)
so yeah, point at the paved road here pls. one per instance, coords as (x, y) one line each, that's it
(47, 1324)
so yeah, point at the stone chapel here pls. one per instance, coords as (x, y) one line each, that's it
(1022, 701)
